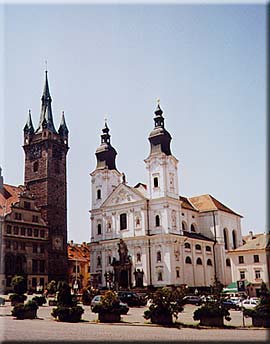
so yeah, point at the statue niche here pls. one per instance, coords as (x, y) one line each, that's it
(122, 267)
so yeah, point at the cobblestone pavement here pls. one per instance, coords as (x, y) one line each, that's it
(133, 327)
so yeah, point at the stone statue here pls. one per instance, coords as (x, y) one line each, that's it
(123, 252)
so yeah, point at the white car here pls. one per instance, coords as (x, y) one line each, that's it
(249, 304)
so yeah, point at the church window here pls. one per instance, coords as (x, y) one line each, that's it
(199, 261)
(192, 228)
(35, 166)
(99, 229)
(138, 257)
(208, 248)
(198, 247)
(256, 258)
(160, 277)
(155, 182)
(99, 261)
(184, 226)
(177, 273)
(138, 222)
(228, 262)
(98, 194)
(173, 218)
(187, 245)
(109, 226)
(123, 221)
(241, 259)
(109, 260)
(157, 220)
(209, 262)
(234, 239)
(188, 260)
(225, 236)
(158, 256)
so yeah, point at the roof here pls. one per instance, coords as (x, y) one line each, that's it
(9, 195)
(198, 236)
(185, 203)
(207, 202)
(261, 242)
(232, 287)
(141, 184)
(80, 252)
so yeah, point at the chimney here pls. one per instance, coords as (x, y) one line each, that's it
(250, 235)
(1, 179)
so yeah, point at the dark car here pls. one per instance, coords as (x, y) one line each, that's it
(131, 299)
(192, 299)
(229, 304)
(97, 299)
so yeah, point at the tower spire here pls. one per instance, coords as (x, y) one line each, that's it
(29, 128)
(46, 117)
(63, 129)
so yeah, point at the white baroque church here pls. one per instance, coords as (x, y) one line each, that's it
(167, 239)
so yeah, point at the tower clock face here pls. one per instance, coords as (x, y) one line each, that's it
(35, 152)
(57, 243)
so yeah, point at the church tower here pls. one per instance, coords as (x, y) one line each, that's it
(106, 177)
(45, 175)
(161, 164)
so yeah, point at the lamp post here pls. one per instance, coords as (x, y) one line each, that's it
(215, 241)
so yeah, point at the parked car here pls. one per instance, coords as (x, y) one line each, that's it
(192, 299)
(249, 303)
(2, 301)
(97, 299)
(131, 299)
(230, 304)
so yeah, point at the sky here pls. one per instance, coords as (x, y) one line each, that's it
(206, 63)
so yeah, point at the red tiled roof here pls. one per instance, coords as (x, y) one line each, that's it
(186, 204)
(80, 252)
(208, 203)
(9, 195)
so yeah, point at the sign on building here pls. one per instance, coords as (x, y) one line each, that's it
(241, 286)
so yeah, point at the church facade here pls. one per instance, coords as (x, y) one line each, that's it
(146, 235)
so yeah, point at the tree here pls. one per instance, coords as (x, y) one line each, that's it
(19, 285)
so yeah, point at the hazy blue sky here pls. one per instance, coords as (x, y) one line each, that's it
(206, 63)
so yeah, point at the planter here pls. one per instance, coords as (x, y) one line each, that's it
(69, 318)
(30, 314)
(213, 321)
(261, 322)
(109, 317)
(162, 319)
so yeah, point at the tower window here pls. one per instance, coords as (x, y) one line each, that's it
(187, 245)
(158, 256)
(192, 228)
(160, 278)
(199, 261)
(188, 260)
(209, 262)
(98, 194)
(228, 262)
(35, 166)
(157, 220)
(242, 274)
(198, 247)
(138, 257)
(256, 258)
(241, 259)
(156, 182)
(123, 221)
(177, 273)
(99, 229)
(208, 248)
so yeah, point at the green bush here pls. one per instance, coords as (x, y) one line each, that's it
(17, 298)
(68, 314)
(51, 287)
(28, 310)
(109, 303)
(212, 310)
(40, 300)
(165, 303)
(19, 285)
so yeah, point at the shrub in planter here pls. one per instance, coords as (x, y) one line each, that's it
(165, 304)
(17, 299)
(27, 311)
(68, 314)
(212, 314)
(40, 300)
(109, 309)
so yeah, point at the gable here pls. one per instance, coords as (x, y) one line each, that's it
(123, 194)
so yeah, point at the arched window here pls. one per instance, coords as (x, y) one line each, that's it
(155, 182)
(157, 220)
(99, 261)
(234, 237)
(98, 194)
(158, 256)
(138, 222)
(199, 261)
(35, 166)
(198, 247)
(184, 226)
(225, 236)
(228, 262)
(99, 229)
(208, 248)
(109, 260)
(209, 262)
(160, 278)
(192, 228)
(188, 260)
(187, 245)
(138, 257)
(177, 273)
